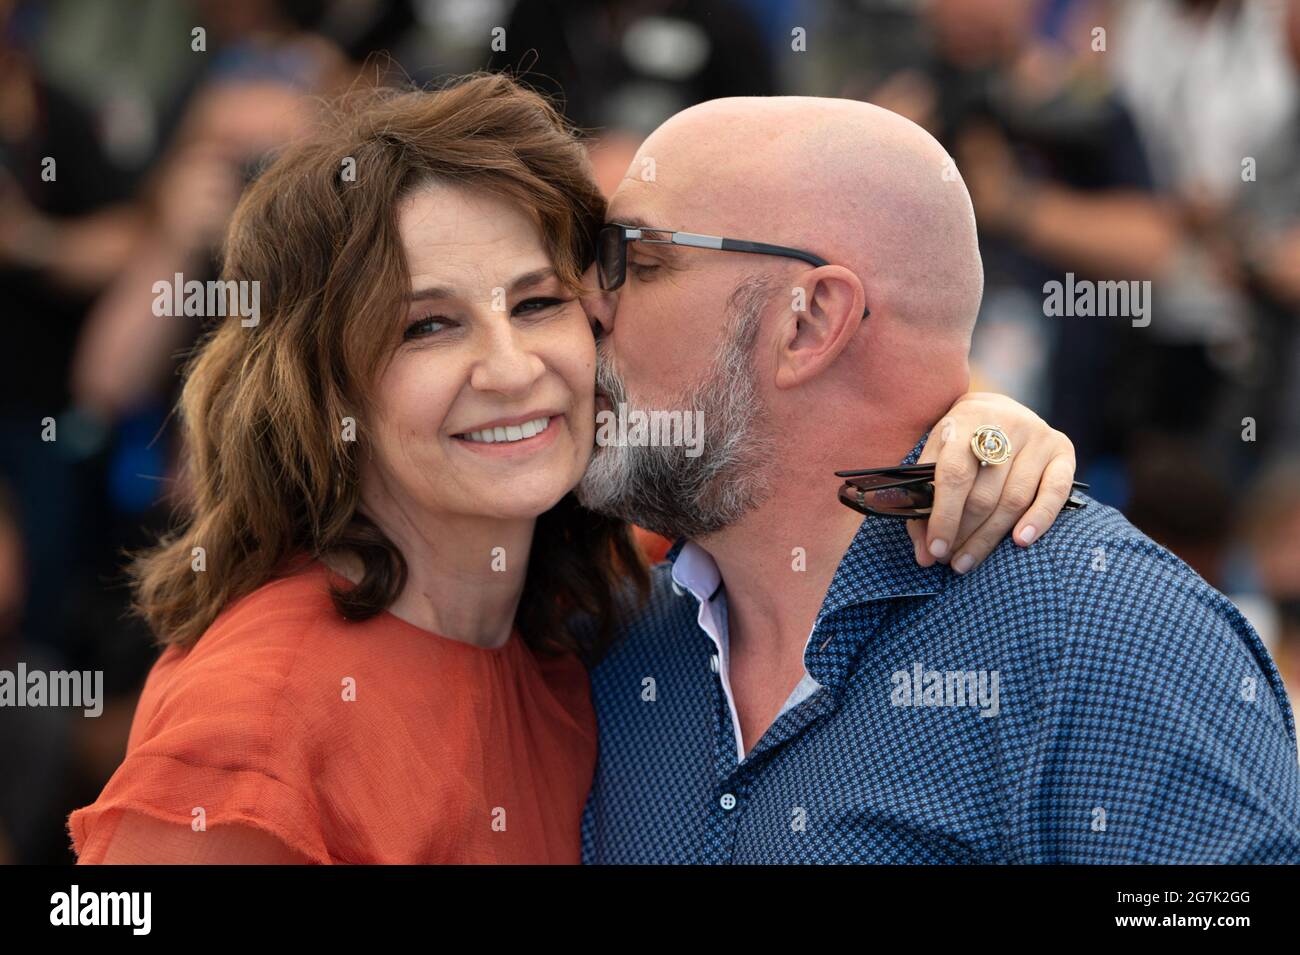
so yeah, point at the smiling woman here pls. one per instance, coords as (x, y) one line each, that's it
(494, 343)
(372, 576)
(453, 196)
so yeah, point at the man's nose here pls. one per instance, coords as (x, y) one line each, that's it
(599, 305)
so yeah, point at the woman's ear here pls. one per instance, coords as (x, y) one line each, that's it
(826, 309)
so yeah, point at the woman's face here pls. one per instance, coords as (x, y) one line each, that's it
(486, 408)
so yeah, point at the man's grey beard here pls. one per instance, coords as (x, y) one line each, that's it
(659, 487)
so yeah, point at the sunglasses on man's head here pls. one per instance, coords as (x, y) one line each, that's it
(905, 491)
(612, 240)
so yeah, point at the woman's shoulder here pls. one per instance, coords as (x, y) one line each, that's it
(282, 610)
(231, 725)
(254, 654)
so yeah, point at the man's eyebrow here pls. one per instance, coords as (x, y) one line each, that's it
(434, 293)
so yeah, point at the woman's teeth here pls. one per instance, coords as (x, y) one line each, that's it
(511, 432)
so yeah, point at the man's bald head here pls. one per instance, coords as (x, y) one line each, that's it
(859, 185)
(772, 354)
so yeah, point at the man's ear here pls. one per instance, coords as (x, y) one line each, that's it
(826, 310)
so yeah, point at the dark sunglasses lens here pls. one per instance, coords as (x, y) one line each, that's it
(908, 500)
(850, 497)
(610, 263)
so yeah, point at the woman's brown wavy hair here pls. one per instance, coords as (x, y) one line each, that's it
(262, 410)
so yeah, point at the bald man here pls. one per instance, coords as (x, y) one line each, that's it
(799, 688)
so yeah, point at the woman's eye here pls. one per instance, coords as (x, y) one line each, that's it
(534, 305)
(425, 327)
(642, 270)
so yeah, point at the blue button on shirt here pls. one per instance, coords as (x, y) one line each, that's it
(1088, 699)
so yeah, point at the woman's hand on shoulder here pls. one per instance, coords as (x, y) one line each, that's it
(974, 506)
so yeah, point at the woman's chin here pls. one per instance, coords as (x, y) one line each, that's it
(525, 500)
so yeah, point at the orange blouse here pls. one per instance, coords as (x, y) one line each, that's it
(370, 742)
(654, 547)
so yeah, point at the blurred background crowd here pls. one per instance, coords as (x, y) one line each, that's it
(1134, 140)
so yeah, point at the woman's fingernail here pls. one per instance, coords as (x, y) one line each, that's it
(963, 563)
(1027, 535)
(938, 548)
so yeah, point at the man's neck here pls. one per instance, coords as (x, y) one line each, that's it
(776, 576)
(778, 562)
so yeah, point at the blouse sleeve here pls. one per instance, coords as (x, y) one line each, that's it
(223, 747)
(132, 838)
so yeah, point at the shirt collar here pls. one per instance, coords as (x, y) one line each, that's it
(695, 570)
(678, 545)
(881, 562)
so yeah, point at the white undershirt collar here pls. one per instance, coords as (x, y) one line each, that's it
(696, 572)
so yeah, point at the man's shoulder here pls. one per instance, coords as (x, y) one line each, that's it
(1081, 532)
(1107, 603)
(1108, 575)
(1106, 569)
(1130, 683)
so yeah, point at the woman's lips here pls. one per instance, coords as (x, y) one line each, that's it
(523, 446)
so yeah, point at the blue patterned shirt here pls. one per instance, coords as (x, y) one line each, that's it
(1088, 699)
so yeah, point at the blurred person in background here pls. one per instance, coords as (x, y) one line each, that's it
(1182, 502)
(252, 94)
(253, 98)
(1213, 86)
(1060, 184)
(1260, 250)
(37, 743)
(621, 67)
(1272, 535)
(66, 228)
